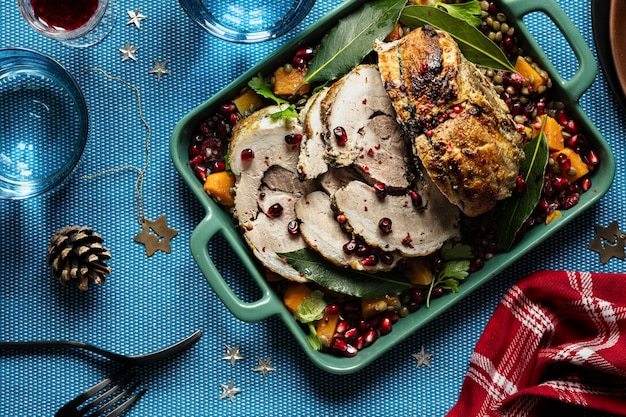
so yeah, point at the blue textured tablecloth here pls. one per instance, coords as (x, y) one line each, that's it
(148, 303)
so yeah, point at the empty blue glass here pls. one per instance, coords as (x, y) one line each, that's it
(43, 123)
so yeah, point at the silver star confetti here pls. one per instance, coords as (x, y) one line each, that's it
(135, 18)
(423, 358)
(232, 355)
(128, 52)
(159, 69)
(264, 366)
(229, 390)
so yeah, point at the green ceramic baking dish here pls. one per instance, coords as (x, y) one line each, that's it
(218, 223)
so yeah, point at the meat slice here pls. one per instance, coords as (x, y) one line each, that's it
(462, 132)
(312, 160)
(321, 231)
(261, 138)
(413, 231)
(360, 127)
(267, 235)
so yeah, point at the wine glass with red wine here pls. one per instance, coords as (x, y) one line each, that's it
(77, 23)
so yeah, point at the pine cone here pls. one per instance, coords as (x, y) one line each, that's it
(76, 253)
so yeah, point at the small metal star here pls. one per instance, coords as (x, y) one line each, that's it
(423, 358)
(128, 52)
(229, 390)
(264, 366)
(152, 241)
(159, 69)
(232, 355)
(135, 18)
(609, 242)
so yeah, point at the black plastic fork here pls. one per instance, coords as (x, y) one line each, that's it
(109, 398)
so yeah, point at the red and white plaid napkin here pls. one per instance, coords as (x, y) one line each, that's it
(555, 343)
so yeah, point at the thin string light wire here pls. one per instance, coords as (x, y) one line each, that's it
(139, 183)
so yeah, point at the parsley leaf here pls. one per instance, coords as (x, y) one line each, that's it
(456, 257)
(468, 11)
(264, 89)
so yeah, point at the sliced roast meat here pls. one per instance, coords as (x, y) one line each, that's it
(279, 178)
(360, 127)
(462, 132)
(312, 160)
(394, 223)
(258, 142)
(322, 232)
(267, 235)
(336, 178)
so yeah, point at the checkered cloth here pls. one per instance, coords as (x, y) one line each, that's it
(555, 342)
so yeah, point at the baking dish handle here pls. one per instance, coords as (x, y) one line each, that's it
(254, 311)
(587, 68)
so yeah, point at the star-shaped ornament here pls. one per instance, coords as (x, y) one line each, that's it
(609, 242)
(232, 355)
(159, 69)
(128, 52)
(264, 366)
(229, 390)
(423, 358)
(135, 18)
(160, 241)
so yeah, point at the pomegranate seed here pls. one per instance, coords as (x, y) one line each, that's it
(370, 337)
(233, 119)
(198, 159)
(340, 135)
(362, 249)
(560, 182)
(438, 292)
(362, 326)
(374, 321)
(226, 109)
(381, 189)
(416, 199)
(569, 201)
(332, 309)
(293, 139)
(370, 260)
(386, 258)
(298, 62)
(275, 210)
(384, 225)
(342, 326)
(591, 159)
(385, 326)
(350, 247)
(218, 166)
(352, 306)
(520, 184)
(563, 162)
(585, 184)
(293, 228)
(306, 52)
(392, 316)
(247, 155)
(416, 294)
(351, 334)
(201, 172)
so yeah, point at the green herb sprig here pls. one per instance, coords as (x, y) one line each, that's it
(456, 258)
(264, 89)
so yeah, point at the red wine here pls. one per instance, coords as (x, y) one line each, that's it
(64, 14)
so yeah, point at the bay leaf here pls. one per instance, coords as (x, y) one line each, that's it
(518, 208)
(352, 39)
(345, 281)
(475, 46)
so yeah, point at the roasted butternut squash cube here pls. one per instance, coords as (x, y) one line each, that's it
(554, 133)
(248, 102)
(286, 83)
(218, 185)
(294, 294)
(578, 169)
(531, 75)
(325, 328)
